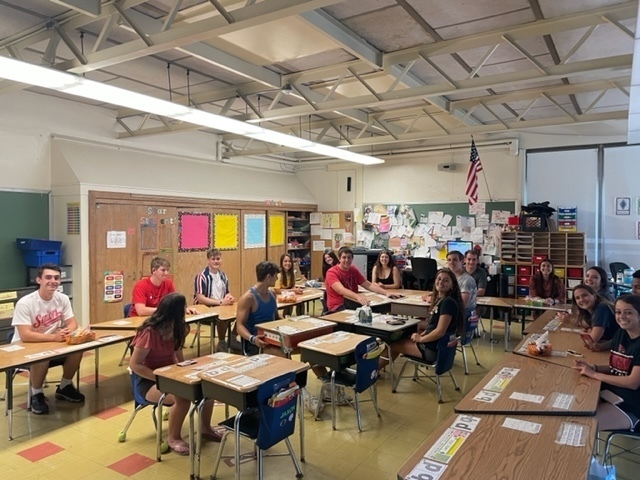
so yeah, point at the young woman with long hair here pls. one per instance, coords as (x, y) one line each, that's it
(385, 272)
(447, 318)
(595, 315)
(622, 375)
(158, 342)
(329, 259)
(546, 284)
(596, 278)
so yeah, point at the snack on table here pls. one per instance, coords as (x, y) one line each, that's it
(536, 350)
(81, 335)
(287, 296)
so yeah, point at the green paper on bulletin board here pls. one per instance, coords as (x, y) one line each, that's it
(225, 231)
(276, 230)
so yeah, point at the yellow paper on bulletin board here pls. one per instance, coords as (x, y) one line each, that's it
(225, 228)
(276, 230)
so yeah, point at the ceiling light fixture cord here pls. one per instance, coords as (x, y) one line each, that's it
(169, 77)
(82, 48)
(188, 89)
(309, 121)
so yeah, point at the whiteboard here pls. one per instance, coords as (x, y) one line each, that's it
(567, 178)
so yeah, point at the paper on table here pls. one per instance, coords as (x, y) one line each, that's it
(527, 397)
(426, 469)
(121, 322)
(521, 425)
(447, 445)
(486, 396)
(11, 348)
(243, 381)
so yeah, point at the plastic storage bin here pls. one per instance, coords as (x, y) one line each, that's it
(522, 291)
(36, 252)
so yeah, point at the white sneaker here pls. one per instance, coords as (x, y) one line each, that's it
(311, 402)
(341, 397)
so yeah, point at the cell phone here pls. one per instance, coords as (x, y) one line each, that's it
(587, 340)
(185, 363)
(395, 321)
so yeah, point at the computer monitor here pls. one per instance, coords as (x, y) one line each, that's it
(458, 245)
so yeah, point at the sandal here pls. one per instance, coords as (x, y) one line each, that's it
(215, 436)
(181, 448)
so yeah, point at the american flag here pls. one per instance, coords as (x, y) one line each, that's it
(475, 166)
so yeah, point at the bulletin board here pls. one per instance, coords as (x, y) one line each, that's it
(409, 232)
(27, 217)
(329, 230)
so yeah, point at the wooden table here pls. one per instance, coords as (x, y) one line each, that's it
(288, 332)
(561, 342)
(184, 382)
(205, 314)
(499, 304)
(522, 304)
(549, 382)
(411, 303)
(549, 321)
(23, 354)
(496, 452)
(334, 350)
(236, 383)
(379, 328)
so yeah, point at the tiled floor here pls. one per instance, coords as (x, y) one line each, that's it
(80, 441)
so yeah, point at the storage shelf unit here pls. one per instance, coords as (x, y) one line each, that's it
(299, 240)
(521, 253)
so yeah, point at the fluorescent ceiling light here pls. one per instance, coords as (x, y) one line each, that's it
(68, 83)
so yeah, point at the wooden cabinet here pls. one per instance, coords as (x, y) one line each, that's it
(299, 240)
(522, 252)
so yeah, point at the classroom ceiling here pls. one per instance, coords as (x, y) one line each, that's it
(375, 76)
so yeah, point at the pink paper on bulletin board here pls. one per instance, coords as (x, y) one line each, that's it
(194, 231)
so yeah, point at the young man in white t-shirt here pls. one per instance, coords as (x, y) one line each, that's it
(212, 289)
(46, 316)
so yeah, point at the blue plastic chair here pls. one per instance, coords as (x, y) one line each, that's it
(265, 425)
(444, 363)
(139, 403)
(364, 377)
(126, 310)
(470, 328)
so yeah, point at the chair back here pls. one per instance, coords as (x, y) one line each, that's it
(470, 326)
(617, 267)
(446, 354)
(425, 270)
(277, 422)
(126, 309)
(367, 353)
(137, 398)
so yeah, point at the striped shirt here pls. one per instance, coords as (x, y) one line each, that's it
(211, 285)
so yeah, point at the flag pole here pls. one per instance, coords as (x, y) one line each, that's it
(484, 175)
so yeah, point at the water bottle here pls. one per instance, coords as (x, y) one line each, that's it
(627, 275)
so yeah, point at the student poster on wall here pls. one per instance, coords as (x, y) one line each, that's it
(276, 230)
(113, 286)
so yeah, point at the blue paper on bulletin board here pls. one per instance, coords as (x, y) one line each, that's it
(255, 231)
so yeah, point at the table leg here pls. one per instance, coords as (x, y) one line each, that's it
(507, 331)
(9, 384)
(198, 331)
(301, 422)
(195, 442)
(96, 368)
(491, 314)
(236, 432)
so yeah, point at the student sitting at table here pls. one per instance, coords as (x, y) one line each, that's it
(622, 375)
(212, 289)
(257, 305)
(342, 284)
(148, 291)
(158, 343)
(596, 278)
(46, 316)
(329, 259)
(635, 283)
(286, 280)
(385, 272)
(447, 318)
(546, 285)
(595, 315)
